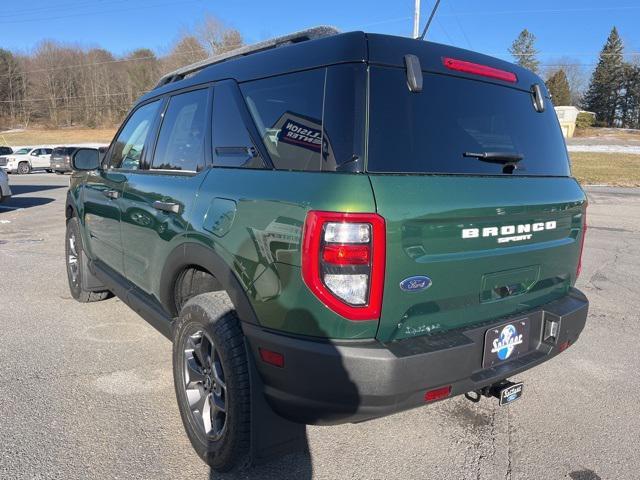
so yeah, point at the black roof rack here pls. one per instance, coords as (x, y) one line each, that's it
(297, 37)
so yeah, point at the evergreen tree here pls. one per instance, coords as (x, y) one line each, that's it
(605, 94)
(558, 86)
(630, 102)
(524, 51)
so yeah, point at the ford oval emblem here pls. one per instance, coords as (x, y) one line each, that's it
(415, 284)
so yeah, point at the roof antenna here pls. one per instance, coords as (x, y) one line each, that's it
(433, 12)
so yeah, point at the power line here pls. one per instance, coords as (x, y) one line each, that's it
(75, 97)
(464, 34)
(93, 64)
(59, 7)
(84, 14)
(554, 10)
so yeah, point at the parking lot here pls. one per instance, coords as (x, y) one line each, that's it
(86, 391)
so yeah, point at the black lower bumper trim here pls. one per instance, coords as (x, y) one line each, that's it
(331, 383)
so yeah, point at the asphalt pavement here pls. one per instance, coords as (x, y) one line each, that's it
(86, 391)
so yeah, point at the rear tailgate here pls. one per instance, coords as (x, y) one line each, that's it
(528, 256)
(472, 177)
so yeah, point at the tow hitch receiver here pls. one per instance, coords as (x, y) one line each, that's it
(506, 392)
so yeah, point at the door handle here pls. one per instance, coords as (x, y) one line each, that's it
(166, 206)
(112, 194)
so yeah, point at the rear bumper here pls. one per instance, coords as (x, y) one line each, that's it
(332, 383)
(59, 167)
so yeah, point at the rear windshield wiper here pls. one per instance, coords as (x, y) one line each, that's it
(495, 157)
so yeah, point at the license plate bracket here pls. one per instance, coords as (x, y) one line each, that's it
(505, 342)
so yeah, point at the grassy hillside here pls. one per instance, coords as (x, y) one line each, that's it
(620, 169)
(57, 137)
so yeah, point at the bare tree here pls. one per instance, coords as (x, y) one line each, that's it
(187, 50)
(577, 76)
(216, 36)
(143, 70)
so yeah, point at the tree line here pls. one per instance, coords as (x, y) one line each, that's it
(613, 91)
(60, 85)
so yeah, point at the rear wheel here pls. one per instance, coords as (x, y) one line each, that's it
(75, 268)
(24, 168)
(211, 377)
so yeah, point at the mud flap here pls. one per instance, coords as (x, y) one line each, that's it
(271, 435)
(90, 282)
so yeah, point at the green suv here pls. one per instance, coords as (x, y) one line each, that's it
(340, 226)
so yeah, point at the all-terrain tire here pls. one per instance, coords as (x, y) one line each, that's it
(211, 316)
(73, 248)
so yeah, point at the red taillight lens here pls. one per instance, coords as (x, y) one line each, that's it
(343, 260)
(584, 234)
(437, 394)
(272, 358)
(478, 69)
(346, 254)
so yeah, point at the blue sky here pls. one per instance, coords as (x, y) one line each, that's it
(571, 28)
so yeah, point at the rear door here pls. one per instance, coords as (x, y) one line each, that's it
(491, 238)
(158, 198)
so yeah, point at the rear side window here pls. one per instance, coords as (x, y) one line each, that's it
(181, 141)
(311, 120)
(232, 144)
(131, 141)
(429, 132)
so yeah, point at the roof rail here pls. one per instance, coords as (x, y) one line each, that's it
(297, 37)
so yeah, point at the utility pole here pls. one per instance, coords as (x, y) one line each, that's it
(416, 19)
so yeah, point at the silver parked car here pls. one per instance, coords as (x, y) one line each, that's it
(5, 191)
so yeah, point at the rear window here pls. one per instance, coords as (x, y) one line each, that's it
(61, 151)
(429, 132)
(311, 120)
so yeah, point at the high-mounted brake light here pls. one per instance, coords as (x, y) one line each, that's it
(343, 260)
(584, 234)
(478, 69)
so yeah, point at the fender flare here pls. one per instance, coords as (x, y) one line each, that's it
(192, 253)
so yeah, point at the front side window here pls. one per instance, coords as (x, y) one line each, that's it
(232, 144)
(181, 141)
(133, 138)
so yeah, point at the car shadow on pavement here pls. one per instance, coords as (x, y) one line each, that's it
(22, 189)
(345, 399)
(23, 202)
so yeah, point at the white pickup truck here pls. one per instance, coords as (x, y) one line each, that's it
(26, 159)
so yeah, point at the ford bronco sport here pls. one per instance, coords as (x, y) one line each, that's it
(341, 225)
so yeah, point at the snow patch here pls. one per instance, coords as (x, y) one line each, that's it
(633, 149)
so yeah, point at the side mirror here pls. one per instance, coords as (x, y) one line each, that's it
(85, 159)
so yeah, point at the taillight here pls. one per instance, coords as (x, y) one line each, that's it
(584, 234)
(478, 69)
(343, 257)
